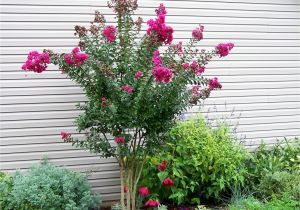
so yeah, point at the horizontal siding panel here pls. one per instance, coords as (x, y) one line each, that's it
(10, 17)
(16, 34)
(148, 13)
(69, 26)
(228, 85)
(191, 2)
(62, 162)
(153, 4)
(221, 108)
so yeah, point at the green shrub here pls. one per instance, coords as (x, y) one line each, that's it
(279, 183)
(48, 187)
(202, 161)
(6, 184)
(273, 170)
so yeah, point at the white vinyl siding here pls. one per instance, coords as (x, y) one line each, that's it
(261, 78)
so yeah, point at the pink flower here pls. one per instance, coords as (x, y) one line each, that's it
(110, 33)
(138, 74)
(156, 59)
(162, 74)
(75, 57)
(162, 166)
(214, 84)
(36, 62)
(152, 203)
(119, 139)
(178, 47)
(197, 33)
(104, 102)
(161, 10)
(200, 70)
(194, 65)
(195, 89)
(185, 65)
(65, 135)
(224, 49)
(168, 182)
(127, 88)
(144, 191)
(158, 28)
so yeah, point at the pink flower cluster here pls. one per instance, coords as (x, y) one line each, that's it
(197, 68)
(178, 47)
(152, 203)
(110, 33)
(119, 139)
(168, 182)
(75, 57)
(160, 73)
(36, 62)
(223, 49)
(65, 135)
(162, 166)
(197, 33)
(144, 191)
(104, 102)
(158, 27)
(127, 88)
(138, 74)
(196, 89)
(214, 84)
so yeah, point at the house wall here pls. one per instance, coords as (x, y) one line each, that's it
(261, 78)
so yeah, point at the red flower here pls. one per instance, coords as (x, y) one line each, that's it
(144, 191)
(65, 135)
(224, 49)
(152, 203)
(110, 33)
(185, 65)
(162, 166)
(214, 84)
(36, 62)
(119, 139)
(76, 57)
(168, 182)
(127, 88)
(197, 33)
(104, 102)
(125, 189)
(138, 74)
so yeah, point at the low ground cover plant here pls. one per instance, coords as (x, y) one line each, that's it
(48, 187)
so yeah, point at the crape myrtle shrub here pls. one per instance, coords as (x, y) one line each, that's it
(134, 90)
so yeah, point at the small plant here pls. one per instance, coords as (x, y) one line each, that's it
(49, 187)
(116, 206)
(276, 163)
(162, 207)
(279, 183)
(6, 185)
(200, 161)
